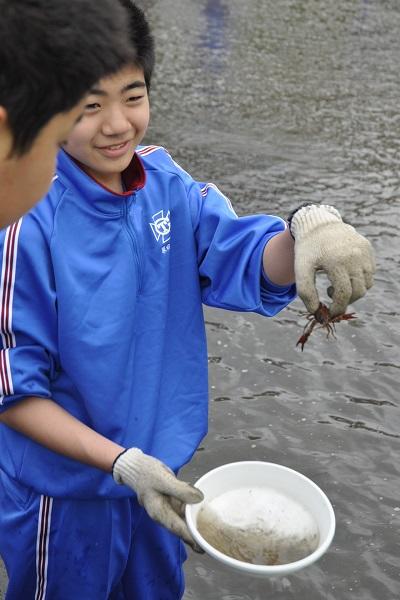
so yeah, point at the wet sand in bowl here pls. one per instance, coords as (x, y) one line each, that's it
(258, 525)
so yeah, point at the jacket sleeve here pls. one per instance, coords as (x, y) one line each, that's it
(230, 250)
(28, 308)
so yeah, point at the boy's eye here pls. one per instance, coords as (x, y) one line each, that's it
(135, 98)
(92, 106)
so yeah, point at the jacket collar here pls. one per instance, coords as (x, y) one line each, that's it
(72, 175)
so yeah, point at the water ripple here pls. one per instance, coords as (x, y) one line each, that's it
(362, 425)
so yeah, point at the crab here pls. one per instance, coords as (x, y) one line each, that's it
(321, 319)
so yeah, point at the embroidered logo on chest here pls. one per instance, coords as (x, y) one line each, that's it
(161, 228)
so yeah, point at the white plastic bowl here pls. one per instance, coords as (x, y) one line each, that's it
(282, 479)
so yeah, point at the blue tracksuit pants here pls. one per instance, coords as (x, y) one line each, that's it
(63, 549)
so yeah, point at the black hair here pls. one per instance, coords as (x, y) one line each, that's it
(141, 39)
(51, 53)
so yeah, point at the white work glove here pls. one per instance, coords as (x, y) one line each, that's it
(324, 243)
(158, 490)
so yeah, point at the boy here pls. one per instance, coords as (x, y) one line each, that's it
(50, 55)
(104, 355)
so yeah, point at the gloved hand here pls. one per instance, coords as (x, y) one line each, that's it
(158, 490)
(324, 243)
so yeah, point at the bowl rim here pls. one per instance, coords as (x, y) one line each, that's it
(267, 570)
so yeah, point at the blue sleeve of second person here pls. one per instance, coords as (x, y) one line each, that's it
(230, 250)
(28, 310)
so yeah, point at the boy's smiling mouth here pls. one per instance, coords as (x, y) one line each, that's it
(114, 150)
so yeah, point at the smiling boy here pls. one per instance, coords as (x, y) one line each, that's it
(104, 361)
(50, 55)
(116, 117)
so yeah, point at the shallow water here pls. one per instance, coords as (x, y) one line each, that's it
(278, 103)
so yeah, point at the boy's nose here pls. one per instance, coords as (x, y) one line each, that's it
(116, 122)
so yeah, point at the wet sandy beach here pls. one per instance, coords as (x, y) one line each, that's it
(278, 103)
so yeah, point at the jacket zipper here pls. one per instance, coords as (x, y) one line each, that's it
(133, 239)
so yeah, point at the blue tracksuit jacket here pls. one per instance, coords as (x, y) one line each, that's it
(101, 310)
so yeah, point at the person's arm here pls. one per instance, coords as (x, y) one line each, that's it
(278, 259)
(158, 490)
(45, 422)
(230, 255)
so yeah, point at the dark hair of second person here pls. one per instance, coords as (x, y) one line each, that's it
(50, 55)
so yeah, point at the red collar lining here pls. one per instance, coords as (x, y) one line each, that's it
(133, 177)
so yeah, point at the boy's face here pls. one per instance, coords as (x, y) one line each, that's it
(24, 179)
(114, 122)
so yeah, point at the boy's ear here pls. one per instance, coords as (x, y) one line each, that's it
(6, 138)
(3, 116)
